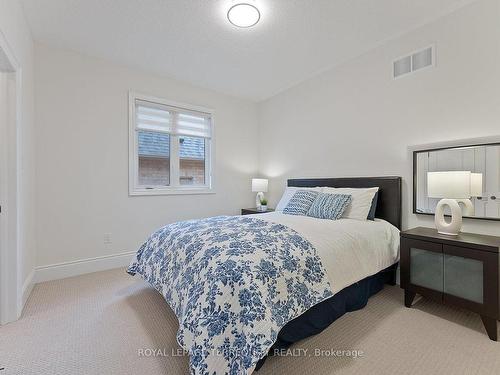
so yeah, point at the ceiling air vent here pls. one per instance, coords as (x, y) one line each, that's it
(416, 61)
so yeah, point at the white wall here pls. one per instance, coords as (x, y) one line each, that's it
(354, 120)
(82, 157)
(15, 30)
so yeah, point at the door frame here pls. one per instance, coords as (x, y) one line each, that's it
(10, 260)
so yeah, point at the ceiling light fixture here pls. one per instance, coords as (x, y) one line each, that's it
(243, 15)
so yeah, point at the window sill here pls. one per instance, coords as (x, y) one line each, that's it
(172, 191)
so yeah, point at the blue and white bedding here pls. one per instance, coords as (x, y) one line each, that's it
(233, 283)
(350, 249)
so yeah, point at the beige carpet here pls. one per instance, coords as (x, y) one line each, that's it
(98, 323)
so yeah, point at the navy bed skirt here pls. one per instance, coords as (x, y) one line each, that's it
(320, 316)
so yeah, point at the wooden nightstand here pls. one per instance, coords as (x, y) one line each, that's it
(251, 211)
(458, 270)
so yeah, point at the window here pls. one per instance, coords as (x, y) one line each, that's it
(170, 147)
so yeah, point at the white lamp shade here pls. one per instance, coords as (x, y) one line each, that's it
(451, 184)
(476, 184)
(259, 185)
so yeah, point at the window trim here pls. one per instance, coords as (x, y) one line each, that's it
(134, 188)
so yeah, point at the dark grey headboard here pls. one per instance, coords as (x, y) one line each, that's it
(389, 197)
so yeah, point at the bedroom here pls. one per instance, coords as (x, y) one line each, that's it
(307, 92)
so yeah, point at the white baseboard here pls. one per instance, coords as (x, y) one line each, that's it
(83, 266)
(26, 291)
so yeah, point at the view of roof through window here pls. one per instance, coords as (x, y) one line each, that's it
(152, 144)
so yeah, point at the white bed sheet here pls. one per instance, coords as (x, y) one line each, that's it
(350, 250)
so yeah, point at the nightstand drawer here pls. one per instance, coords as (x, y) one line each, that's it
(464, 278)
(471, 279)
(422, 266)
(426, 268)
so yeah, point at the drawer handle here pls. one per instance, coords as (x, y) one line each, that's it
(493, 197)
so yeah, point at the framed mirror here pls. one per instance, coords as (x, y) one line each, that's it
(483, 163)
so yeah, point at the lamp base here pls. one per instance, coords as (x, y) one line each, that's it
(455, 225)
(468, 207)
(258, 198)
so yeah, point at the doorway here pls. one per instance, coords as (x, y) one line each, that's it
(10, 291)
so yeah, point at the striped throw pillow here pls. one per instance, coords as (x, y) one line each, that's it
(300, 203)
(329, 206)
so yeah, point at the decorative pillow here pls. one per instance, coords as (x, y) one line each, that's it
(300, 202)
(329, 206)
(288, 194)
(373, 208)
(361, 201)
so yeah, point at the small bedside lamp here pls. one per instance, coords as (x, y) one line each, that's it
(259, 186)
(450, 186)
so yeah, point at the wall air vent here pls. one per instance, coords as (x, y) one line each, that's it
(416, 61)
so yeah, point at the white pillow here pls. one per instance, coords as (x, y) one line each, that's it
(361, 201)
(288, 194)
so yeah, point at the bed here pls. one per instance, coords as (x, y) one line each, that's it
(244, 286)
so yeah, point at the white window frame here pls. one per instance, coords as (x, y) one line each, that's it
(174, 188)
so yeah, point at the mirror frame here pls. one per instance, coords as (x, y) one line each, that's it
(415, 152)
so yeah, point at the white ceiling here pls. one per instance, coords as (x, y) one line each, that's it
(192, 41)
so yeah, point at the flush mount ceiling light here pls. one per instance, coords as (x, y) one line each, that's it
(243, 15)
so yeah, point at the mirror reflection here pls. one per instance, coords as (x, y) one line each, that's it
(471, 175)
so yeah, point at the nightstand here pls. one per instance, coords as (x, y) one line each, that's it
(461, 270)
(251, 211)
